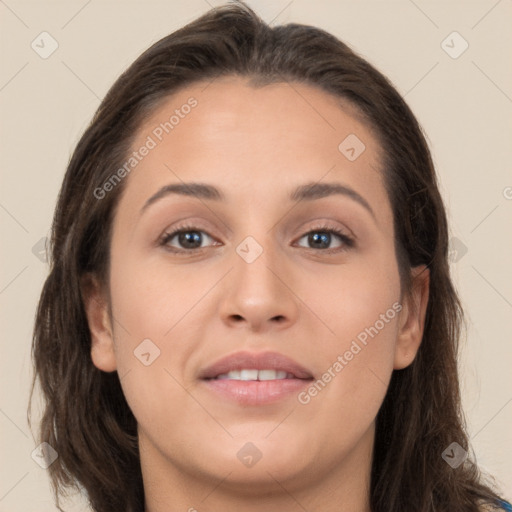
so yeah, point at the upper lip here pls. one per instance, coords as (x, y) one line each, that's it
(255, 361)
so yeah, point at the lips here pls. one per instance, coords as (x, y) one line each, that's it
(255, 361)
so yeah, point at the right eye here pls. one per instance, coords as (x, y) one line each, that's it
(189, 237)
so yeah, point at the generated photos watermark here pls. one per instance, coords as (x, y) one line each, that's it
(157, 135)
(343, 360)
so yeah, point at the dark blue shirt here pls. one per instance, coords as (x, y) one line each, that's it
(506, 505)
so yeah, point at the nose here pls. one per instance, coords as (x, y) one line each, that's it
(258, 295)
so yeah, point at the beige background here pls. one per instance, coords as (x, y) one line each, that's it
(464, 104)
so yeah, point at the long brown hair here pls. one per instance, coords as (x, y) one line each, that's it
(86, 418)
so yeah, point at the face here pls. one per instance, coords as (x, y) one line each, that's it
(293, 254)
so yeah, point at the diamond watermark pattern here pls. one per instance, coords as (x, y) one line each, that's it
(351, 147)
(44, 45)
(454, 45)
(249, 250)
(44, 455)
(249, 455)
(39, 250)
(454, 455)
(147, 352)
(457, 250)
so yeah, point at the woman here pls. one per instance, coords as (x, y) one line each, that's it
(249, 305)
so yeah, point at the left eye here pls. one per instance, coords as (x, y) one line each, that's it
(190, 238)
(323, 236)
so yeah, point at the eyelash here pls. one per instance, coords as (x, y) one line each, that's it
(348, 242)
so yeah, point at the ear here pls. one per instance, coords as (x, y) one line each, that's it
(412, 318)
(102, 339)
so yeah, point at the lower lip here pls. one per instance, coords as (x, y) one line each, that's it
(256, 392)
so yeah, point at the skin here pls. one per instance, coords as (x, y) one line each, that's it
(256, 145)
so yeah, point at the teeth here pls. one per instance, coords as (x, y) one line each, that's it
(250, 374)
(271, 374)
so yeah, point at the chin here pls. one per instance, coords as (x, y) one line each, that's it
(258, 458)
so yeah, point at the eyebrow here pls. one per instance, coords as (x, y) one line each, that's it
(307, 192)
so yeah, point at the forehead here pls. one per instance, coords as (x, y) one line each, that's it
(231, 105)
(254, 140)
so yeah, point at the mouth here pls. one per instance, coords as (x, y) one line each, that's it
(254, 374)
(255, 378)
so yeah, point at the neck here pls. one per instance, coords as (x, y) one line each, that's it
(343, 486)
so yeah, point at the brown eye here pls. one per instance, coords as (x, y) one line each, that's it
(321, 238)
(187, 238)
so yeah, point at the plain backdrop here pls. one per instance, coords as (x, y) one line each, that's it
(461, 96)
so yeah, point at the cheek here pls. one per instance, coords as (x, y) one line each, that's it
(360, 308)
(155, 336)
(152, 345)
(149, 299)
(352, 298)
(355, 375)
